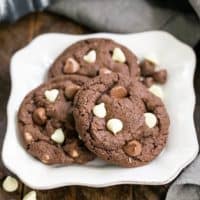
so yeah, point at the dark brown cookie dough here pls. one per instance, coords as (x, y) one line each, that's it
(131, 130)
(72, 60)
(46, 122)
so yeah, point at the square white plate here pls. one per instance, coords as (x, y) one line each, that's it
(29, 69)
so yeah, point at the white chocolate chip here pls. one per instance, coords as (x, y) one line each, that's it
(114, 125)
(138, 61)
(90, 57)
(80, 138)
(104, 70)
(10, 184)
(30, 196)
(99, 110)
(71, 66)
(157, 90)
(150, 119)
(58, 136)
(51, 95)
(141, 78)
(118, 55)
(152, 58)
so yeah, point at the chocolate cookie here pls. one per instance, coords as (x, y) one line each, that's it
(92, 57)
(120, 120)
(46, 122)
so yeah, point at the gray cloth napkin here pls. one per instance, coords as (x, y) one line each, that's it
(132, 16)
(187, 185)
(11, 10)
(129, 16)
(196, 6)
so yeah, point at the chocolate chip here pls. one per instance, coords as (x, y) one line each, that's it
(148, 82)
(71, 89)
(39, 116)
(72, 149)
(71, 66)
(160, 76)
(133, 148)
(118, 92)
(45, 158)
(73, 153)
(28, 137)
(147, 68)
(104, 71)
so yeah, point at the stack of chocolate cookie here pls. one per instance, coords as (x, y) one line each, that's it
(98, 101)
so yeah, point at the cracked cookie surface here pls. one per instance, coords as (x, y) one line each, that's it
(120, 120)
(95, 56)
(46, 122)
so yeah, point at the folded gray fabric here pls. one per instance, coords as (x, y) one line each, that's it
(11, 10)
(130, 16)
(196, 6)
(187, 186)
(127, 16)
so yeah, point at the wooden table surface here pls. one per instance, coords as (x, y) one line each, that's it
(17, 35)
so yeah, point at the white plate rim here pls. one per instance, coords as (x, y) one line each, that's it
(106, 183)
